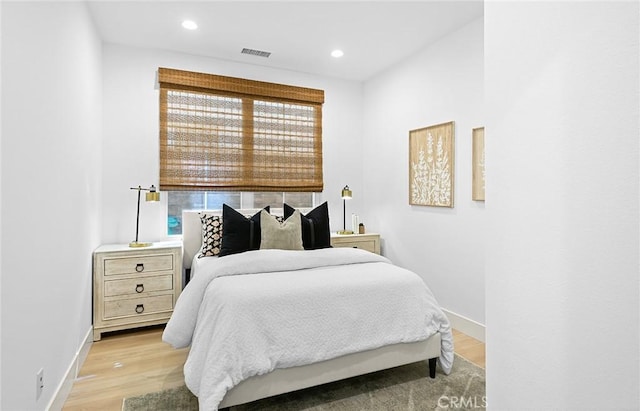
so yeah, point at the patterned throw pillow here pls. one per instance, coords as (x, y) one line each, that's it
(211, 235)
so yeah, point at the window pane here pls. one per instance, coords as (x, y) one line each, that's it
(263, 199)
(299, 200)
(178, 201)
(216, 199)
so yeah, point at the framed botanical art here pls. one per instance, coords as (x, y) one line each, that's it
(477, 164)
(431, 160)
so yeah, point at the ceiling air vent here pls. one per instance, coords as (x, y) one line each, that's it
(258, 53)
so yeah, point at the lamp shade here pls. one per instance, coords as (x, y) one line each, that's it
(152, 194)
(346, 193)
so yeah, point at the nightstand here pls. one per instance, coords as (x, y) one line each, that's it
(135, 287)
(369, 242)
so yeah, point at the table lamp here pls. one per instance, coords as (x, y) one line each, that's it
(346, 195)
(151, 195)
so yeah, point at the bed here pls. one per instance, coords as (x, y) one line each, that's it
(247, 343)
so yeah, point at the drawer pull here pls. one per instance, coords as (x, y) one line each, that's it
(139, 288)
(139, 267)
(140, 308)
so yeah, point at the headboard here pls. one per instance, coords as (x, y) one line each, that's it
(192, 230)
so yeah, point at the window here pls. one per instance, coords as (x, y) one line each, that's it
(227, 134)
(241, 142)
(213, 200)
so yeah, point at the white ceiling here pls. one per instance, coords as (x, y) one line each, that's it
(300, 34)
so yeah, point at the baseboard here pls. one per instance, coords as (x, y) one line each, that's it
(465, 325)
(63, 390)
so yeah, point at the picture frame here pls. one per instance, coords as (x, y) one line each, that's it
(431, 165)
(477, 164)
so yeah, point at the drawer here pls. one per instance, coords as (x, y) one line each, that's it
(138, 306)
(138, 285)
(368, 245)
(141, 264)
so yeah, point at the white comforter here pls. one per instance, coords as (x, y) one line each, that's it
(248, 314)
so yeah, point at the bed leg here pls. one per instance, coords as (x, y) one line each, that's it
(432, 367)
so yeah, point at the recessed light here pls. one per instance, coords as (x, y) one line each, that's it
(189, 25)
(337, 53)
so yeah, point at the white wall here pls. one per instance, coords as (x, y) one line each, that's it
(50, 211)
(441, 83)
(131, 133)
(562, 170)
(0, 203)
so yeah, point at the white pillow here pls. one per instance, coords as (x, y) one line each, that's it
(285, 236)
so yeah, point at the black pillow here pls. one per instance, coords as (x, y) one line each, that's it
(240, 233)
(315, 226)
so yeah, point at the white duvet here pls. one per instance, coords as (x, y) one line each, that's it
(250, 313)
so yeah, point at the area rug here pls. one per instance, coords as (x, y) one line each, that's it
(405, 388)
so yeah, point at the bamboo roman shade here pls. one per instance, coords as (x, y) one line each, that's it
(231, 134)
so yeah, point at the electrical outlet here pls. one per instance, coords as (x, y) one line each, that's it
(39, 383)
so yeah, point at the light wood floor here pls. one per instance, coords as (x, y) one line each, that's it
(133, 363)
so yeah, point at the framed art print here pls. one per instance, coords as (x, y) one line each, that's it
(477, 164)
(431, 160)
